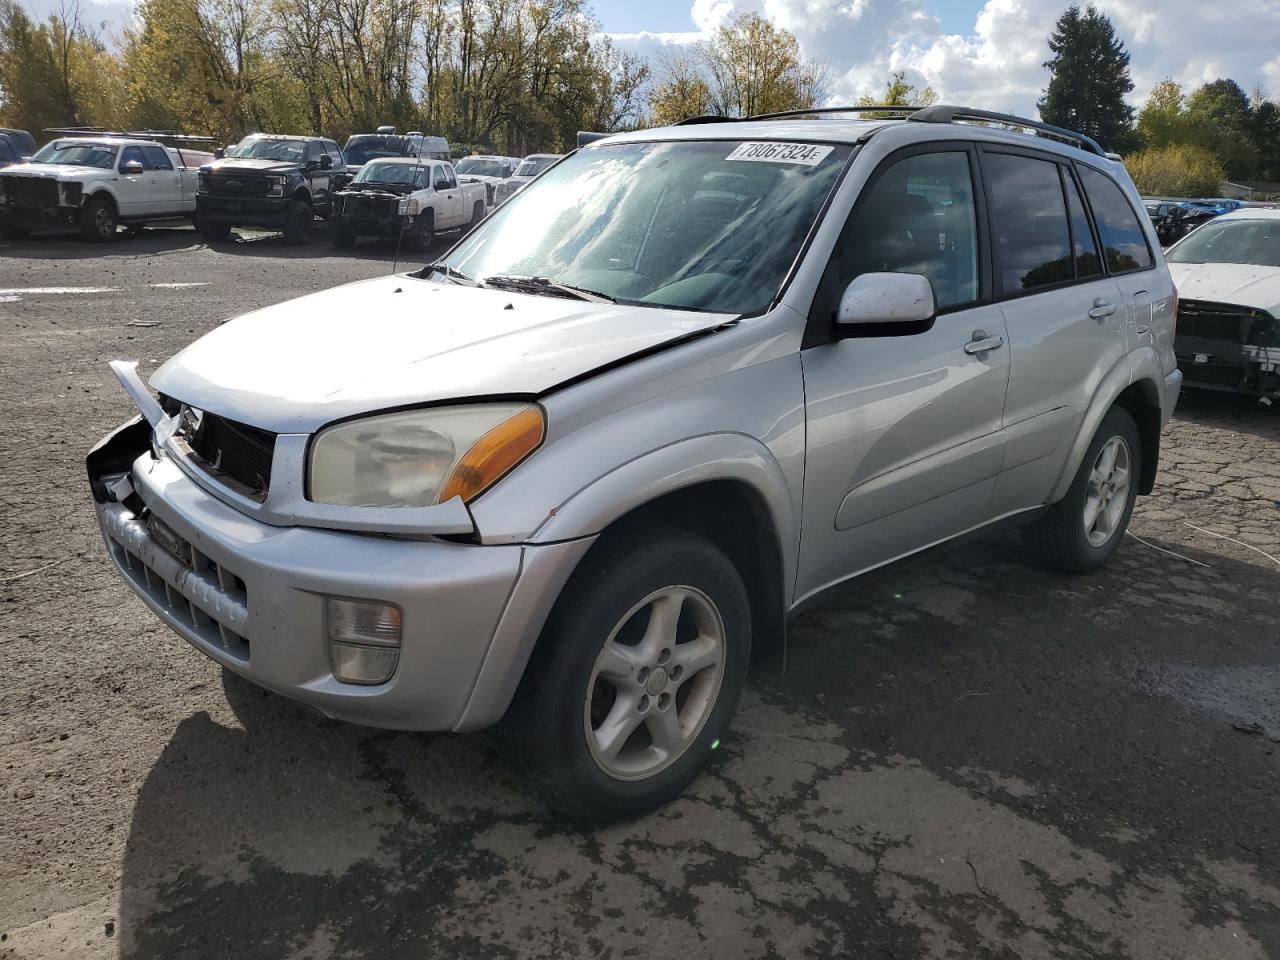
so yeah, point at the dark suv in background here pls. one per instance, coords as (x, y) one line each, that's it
(278, 182)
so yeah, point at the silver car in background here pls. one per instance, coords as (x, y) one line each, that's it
(577, 474)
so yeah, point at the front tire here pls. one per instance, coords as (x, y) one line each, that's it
(1083, 529)
(212, 230)
(636, 676)
(98, 220)
(477, 214)
(297, 227)
(342, 237)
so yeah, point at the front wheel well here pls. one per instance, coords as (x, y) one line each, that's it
(734, 517)
(102, 195)
(302, 194)
(1141, 400)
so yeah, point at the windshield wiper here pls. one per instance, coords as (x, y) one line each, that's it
(547, 286)
(455, 275)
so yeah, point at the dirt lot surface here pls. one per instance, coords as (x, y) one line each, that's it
(967, 757)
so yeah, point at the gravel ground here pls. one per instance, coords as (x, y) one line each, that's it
(967, 757)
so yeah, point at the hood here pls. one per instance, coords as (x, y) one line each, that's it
(57, 171)
(476, 178)
(396, 341)
(232, 164)
(1238, 283)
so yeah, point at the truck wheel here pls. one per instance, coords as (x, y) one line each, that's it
(636, 676)
(297, 227)
(98, 220)
(426, 234)
(1083, 529)
(342, 237)
(12, 232)
(212, 230)
(477, 214)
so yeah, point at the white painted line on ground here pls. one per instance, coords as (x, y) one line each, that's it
(180, 286)
(32, 291)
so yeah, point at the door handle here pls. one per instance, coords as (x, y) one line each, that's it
(982, 342)
(1101, 309)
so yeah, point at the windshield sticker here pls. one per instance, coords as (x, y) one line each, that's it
(806, 154)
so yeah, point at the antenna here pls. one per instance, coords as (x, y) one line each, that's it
(395, 264)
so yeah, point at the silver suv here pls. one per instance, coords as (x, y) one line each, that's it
(575, 475)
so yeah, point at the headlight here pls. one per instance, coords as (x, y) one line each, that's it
(414, 206)
(202, 182)
(275, 186)
(422, 457)
(403, 206)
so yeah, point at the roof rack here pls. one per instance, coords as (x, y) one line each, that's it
(808, 112)
(948, 114)
(140, 134)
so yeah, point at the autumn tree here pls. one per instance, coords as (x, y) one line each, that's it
(1089, 78)
(1178, 170)
(680, 92)
(899, 93)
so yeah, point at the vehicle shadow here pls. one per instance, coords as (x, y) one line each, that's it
(256, 244)
(967, 748)
(1228, 411)
(153, 241)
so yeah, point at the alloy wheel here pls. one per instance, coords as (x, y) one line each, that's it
(655, 683)
(1107, 494)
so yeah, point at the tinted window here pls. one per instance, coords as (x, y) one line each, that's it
(1123, 241)
(130, 155)
(1030, 222)
(6, 152)
(1082, 242)
(313, 152)
(917, 217)
(334, 153)
(157, 158)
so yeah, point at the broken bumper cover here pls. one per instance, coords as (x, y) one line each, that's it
(243, 211)
(1211, 364)
(251, 596)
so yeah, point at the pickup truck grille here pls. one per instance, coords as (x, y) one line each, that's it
(235, 454)
(363, 208)
(31, 191)
(1226, 321)
(238, 184)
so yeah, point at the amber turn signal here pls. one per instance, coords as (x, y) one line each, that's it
(494, 455)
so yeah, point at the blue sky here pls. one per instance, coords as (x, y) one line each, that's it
(669, 16)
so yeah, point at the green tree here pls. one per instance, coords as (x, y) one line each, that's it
(1180, 170)
(899, 93)
(754, 67)
(1220, 118)
(1090, 79)
(680, 92)
(1163, 120)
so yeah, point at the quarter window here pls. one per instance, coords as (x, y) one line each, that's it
(1030, 222)
(918, 217)
(1123, 241)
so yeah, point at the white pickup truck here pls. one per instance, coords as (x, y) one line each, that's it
(404, 197)
(96, 182)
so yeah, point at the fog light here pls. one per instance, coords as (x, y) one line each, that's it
(364, 639)
(366, 665)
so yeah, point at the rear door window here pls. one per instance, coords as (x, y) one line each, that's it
(1123, 241)
(157, 158)
(1083, 246)
(1030, 222)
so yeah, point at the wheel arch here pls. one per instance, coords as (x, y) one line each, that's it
(1140, 397)
(303, 194)
(101, 193)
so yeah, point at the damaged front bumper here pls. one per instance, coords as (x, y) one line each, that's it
(255, 596)
(1241, 368)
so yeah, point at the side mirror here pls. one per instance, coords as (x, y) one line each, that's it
(886, 298)
(326, 162)
(132, 167)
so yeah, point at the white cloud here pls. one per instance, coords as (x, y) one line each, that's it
(998, 64)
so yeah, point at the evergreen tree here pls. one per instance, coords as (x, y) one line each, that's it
(1090, 79)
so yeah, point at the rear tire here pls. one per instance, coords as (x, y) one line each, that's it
(342, 237)
(98, 220)
(1083, 529)
(300, 220)
(650, 639)
(212, 230)
(13, 232)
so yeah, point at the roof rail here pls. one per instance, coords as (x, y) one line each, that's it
(140, 134)
(808, 112)
(947, 114)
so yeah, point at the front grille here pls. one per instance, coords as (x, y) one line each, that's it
(238, 184)
(1226, 321)
(369, 209)
(31, 191)
(235, 453)
(201, 595)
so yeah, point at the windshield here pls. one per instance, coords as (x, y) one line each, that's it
(1255, 242)
(475, 167)
(263, 148)
(363, 149)
(534, 166)
(77, 152)
(699, 225)
(388, 173)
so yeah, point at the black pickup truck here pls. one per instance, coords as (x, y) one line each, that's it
(276, 182)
